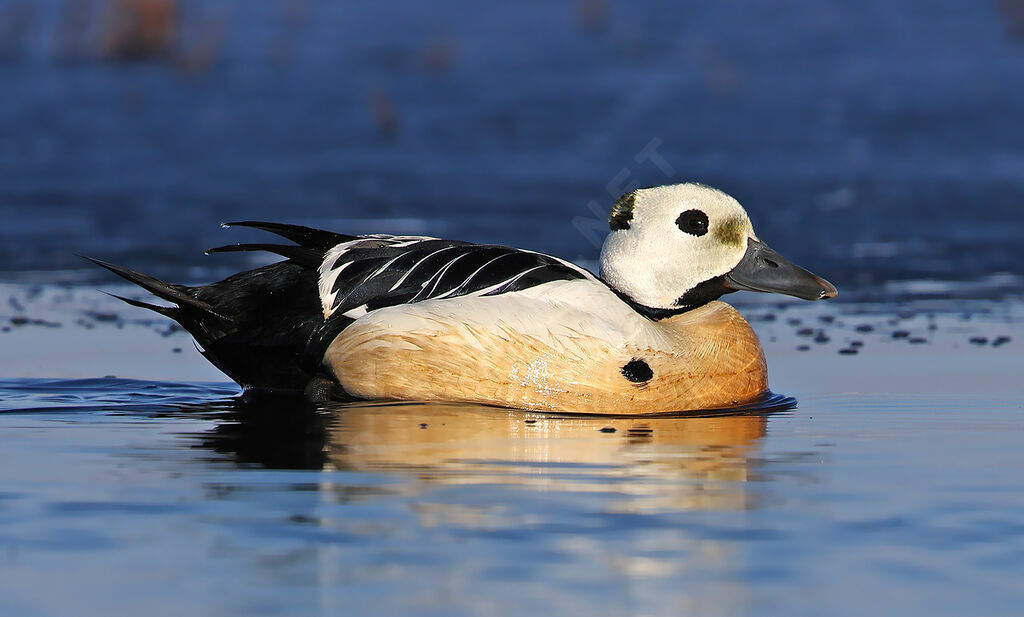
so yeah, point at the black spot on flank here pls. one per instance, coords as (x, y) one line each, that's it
(637, 371)
(608, 429)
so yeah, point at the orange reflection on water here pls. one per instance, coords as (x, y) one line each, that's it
(673, 463)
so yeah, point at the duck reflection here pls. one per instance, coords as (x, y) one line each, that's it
(446, 501)
(678, 463)
(643, 463)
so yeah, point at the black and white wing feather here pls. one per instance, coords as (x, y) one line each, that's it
(264, 327)
(372, 272)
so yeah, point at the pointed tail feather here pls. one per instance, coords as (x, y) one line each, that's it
(305, 256)
(160, 289)
(303, 236)
(167, 311)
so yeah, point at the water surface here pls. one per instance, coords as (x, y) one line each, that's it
(891, 488)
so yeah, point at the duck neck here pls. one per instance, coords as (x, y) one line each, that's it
(701, 294)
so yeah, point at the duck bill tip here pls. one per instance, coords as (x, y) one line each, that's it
(762, 269)
(828, 290)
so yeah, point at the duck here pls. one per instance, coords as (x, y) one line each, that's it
(417, 318)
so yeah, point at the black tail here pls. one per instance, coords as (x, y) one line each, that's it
(255, 326)
(172, 293)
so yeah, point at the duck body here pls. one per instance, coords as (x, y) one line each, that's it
(564, 346)
(413, 318)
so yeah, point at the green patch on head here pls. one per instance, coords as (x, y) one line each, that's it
(732, 231)
(622, 212)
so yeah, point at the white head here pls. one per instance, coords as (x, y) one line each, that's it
(672, 247)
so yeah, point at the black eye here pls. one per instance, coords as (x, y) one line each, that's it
(693, 222)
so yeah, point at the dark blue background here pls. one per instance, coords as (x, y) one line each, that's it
(870, 140)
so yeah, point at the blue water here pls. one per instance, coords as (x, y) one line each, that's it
(891, 488)
(842, 507)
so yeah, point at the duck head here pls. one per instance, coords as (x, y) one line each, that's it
(676, 247)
